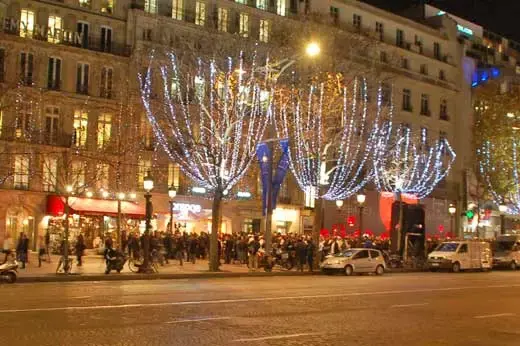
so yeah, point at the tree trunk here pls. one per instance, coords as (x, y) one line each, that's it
(216, 220)
(318, 225)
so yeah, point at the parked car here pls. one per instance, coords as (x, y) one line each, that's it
(355, 261)
(461, 255)
(506, 251)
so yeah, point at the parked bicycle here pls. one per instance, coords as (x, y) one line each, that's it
(134, 264)
(64, 265)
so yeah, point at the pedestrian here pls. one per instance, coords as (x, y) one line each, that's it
(22, 248)
(301, 254)
(179, 248)
(47, 245)
(8, 247)
(228, 251)
(193, 247)
(124, 240)
(80, 247)
(253, 248)
(109, 243)
(41, 250)
(310, 254)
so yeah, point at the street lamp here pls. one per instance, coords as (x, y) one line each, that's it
(120, 198)
(172, 192)
(361, 197)
(503, 209)
(452, 210)
(68, 191)
(148, 187)
(312, 49)
(339, 203)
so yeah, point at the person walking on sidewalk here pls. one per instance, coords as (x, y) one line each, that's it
(22, 248)
(41, 250)
(48, 245)
(193, 248)
(80, 247)
(310, 254)
(179, 248)
(301, 253)
(253, 248)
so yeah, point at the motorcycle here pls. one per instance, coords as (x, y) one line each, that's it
(115, 260)
(8, 272)
(283, 259)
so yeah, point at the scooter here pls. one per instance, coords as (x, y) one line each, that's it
(8, 272)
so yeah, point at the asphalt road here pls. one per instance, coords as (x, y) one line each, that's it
(399, 309)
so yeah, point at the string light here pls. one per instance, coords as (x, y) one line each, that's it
(214, 138)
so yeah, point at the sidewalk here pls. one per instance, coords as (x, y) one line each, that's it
(94, 266)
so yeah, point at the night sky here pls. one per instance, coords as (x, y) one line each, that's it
(499, 16)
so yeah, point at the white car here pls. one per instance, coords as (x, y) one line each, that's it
(355, 261)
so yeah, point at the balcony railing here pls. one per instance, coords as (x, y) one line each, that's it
(58, 138)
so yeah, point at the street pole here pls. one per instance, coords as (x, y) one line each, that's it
(361, 223)
(66, 240)
(502, 224)
(145, 267)
(269, 197)
(400, 223)
(171, 216)
(119, 246)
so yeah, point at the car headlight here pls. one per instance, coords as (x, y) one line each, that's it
(337, 262)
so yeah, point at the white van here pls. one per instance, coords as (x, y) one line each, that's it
(506, 251)
(461, 255)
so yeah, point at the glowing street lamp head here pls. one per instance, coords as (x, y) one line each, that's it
(148, 182)
(502, 208)
(312, 49)
(121, 196)
(172, 192)
(89, 194)
(105, 194)
(361, 197)
(452, 210)
(68, 188)
(339, 203)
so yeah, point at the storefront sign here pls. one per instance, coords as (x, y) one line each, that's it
(14, 25)
(185, 207)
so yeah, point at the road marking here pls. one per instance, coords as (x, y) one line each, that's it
(259, 299)
(495, 315)
(274, 337)
(82, 297)
(199, 320)
(408, 305)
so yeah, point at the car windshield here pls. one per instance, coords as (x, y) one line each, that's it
(447, 247)
(344, 254)
(503, 246)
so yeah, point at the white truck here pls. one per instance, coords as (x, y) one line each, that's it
(506, 252)
(461, 255)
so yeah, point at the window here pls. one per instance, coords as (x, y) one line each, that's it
(27, 68)
(443, 135)
(83, 29)
(80, 128)
(177, 9)
(407, 100)
(84, 3)
(54, 74)
(244, 25)
(146, 134)
(104, 129)
(52, 119)
(442, 75)
(82, 78)
(174, 172)
(50, 173)
(26, 23)
(24, 120)
(424, 138)
(374, 253)
(280, 7)
(200, 13)
(54, 25)
(383, 57)
(380, 30)
(424, 69)
(143, 167)
(437, 50)
(150, 6)
(78, 174)
(425, 104)
(261, 4)
(107, 6)
(356, 21)
(405, 63)
(106, 39)
(2, 65)
(443, 111)
(361, 254)
(334, 13)
(264, 31)
(310, 196)
(21, 172)
(222, 24)
(147, 34)
(386, 93)
(463, 248)
(105, 89)
(399, 38)
(103, 171)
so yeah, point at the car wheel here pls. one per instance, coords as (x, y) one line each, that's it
(380, 270)
(512, 266)
(349, 270)
(456, 267)
(11, 278)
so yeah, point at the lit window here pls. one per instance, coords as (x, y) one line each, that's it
(80, 128)
(264, 31)
(244, 25)
(24, 120)
(84, 3)
(177, 9)
(102, 170)
(54, 29)
(104, 129)
(146, 134)
(200, 13)
(222, 19)
(26, 23)
(310, 196)
(142, 170)
(280, 8)
(150, 6)
(52, 118)
(174, 173)
(78, 174)
(21, 172)
(261, 4)
(50, 173)
(107, 6)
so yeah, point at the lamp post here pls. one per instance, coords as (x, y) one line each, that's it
(452, 210)
(312, 50)
(148, 187)
(172, 192)
(68, 192)
(503, 209)
(120, 198)
(361, 197)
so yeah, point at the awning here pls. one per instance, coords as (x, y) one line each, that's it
(92, 206)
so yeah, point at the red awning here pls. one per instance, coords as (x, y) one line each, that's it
(92, 206)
